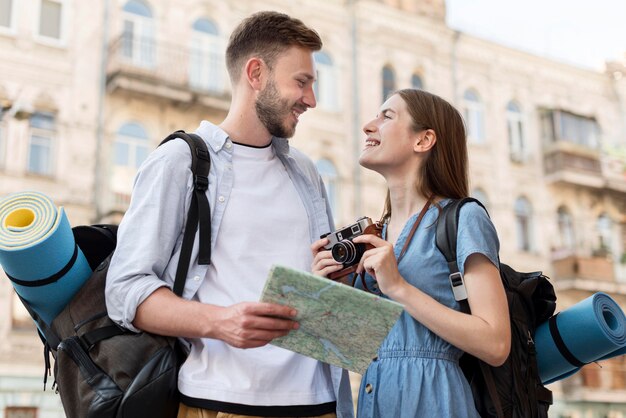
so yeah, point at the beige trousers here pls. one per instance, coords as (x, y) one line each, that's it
(185, 411)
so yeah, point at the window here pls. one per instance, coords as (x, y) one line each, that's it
(20, 318)
(523, 223)
(42, 133)
(138, 43)
(515, 128)
(473, 112)
(51, 20)
(326, 85)
(329, 176)
(131, 146)
(6, 14)
(566, 229)
(604, 231)
(389, 81)
(20, 412)
(559, 125)
(416, 82)
(480, 194)
(207, 59)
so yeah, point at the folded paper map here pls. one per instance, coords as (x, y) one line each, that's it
(339, 325)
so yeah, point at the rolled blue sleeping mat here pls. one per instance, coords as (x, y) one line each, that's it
(591, 330)
(38, 253)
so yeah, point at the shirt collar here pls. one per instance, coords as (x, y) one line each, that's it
(217, 138)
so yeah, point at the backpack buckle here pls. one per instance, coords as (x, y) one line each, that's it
(201, 182)
(458, 286)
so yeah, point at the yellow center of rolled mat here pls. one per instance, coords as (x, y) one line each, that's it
(19, 219)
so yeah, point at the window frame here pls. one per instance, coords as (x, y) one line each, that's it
(11, 29)
(516, 132)
(567, 232)
(417, 76)
(326, 85)
(45, 133)
(330, 177)
(144, 30)
(132, 143)
(388, 81)
(524, 225)
(206, 59)
(61, 41)
(474, 115)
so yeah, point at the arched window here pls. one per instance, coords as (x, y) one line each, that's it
(389, 81)
(416, 82)
(474, 117)
(131, 146)
(604, 230)
(41, 146)
(138, 39)
(566, 229)
(207, 57)
(329, 175)
(326, 85)
(515, 127)
(480, 194)
(523, 224)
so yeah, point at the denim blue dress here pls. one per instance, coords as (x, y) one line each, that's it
(417, 373)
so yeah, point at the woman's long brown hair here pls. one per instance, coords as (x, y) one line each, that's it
(444, 172)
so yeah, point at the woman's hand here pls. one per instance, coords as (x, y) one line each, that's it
(323, 261)
(380, 263)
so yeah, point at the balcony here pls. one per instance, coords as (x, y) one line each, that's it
(167, 71)
(590, 273)
(614, 167)
(566, 162)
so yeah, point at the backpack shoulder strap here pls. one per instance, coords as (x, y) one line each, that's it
(446, 238)
(199, 215)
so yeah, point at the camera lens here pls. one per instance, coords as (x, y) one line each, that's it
(347, 252)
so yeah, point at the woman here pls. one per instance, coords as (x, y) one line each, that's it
(417, 142)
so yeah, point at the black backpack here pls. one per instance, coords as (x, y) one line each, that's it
(102, 370)
(513, 389)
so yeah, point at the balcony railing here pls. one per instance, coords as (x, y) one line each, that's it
(573, 163)
(584, 268)
(166, 70)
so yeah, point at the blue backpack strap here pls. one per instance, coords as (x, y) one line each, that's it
(199, 215)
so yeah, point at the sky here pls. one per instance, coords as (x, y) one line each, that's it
(584, 33)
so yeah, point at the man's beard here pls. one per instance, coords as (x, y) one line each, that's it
(272, 111)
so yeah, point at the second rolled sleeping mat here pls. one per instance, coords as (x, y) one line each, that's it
(593, 329)
(39, 254)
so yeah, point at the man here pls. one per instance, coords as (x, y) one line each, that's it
(268, 205)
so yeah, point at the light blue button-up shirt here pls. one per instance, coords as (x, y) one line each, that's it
(150, 234)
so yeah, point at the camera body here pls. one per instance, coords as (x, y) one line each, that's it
(347, 252)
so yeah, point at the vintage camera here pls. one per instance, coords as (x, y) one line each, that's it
(347, 252)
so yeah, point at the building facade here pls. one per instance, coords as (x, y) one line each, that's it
(88, 89)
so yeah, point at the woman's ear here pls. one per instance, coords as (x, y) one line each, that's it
(254, 72)
(425, 140)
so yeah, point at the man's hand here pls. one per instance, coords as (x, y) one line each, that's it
(254, 324)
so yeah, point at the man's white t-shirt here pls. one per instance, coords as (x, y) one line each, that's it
(265, 223)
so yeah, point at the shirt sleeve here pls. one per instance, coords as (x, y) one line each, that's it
(476, 234)
(150, 230)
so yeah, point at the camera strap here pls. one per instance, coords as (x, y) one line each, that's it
(414, 228)
(406, 243)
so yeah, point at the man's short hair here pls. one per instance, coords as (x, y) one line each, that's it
(267, 35)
